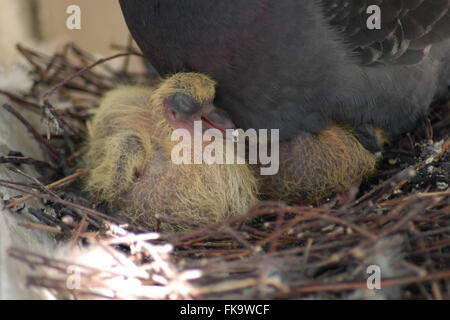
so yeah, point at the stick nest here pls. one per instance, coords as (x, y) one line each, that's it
(399, 220)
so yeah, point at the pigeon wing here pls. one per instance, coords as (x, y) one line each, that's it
(408, 28)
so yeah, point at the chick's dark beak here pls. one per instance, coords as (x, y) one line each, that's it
(216, 118)
(181, 111)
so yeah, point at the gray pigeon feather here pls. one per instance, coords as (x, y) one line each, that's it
(300, 65)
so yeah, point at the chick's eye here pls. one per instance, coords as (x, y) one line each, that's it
(183, 103)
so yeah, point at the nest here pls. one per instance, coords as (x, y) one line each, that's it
(399, 220)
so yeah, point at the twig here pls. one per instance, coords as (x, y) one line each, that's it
(73, 76)
(26, 160)
(41, 227)
(354, 285)
(34, 106)
(47, 146)
(16, 202)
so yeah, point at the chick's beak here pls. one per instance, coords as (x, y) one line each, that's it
(210, 115)
(216, 118)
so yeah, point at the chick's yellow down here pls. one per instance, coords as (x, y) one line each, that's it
(315, 167)
(131, 169)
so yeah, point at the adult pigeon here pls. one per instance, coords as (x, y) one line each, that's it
(302, 65)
